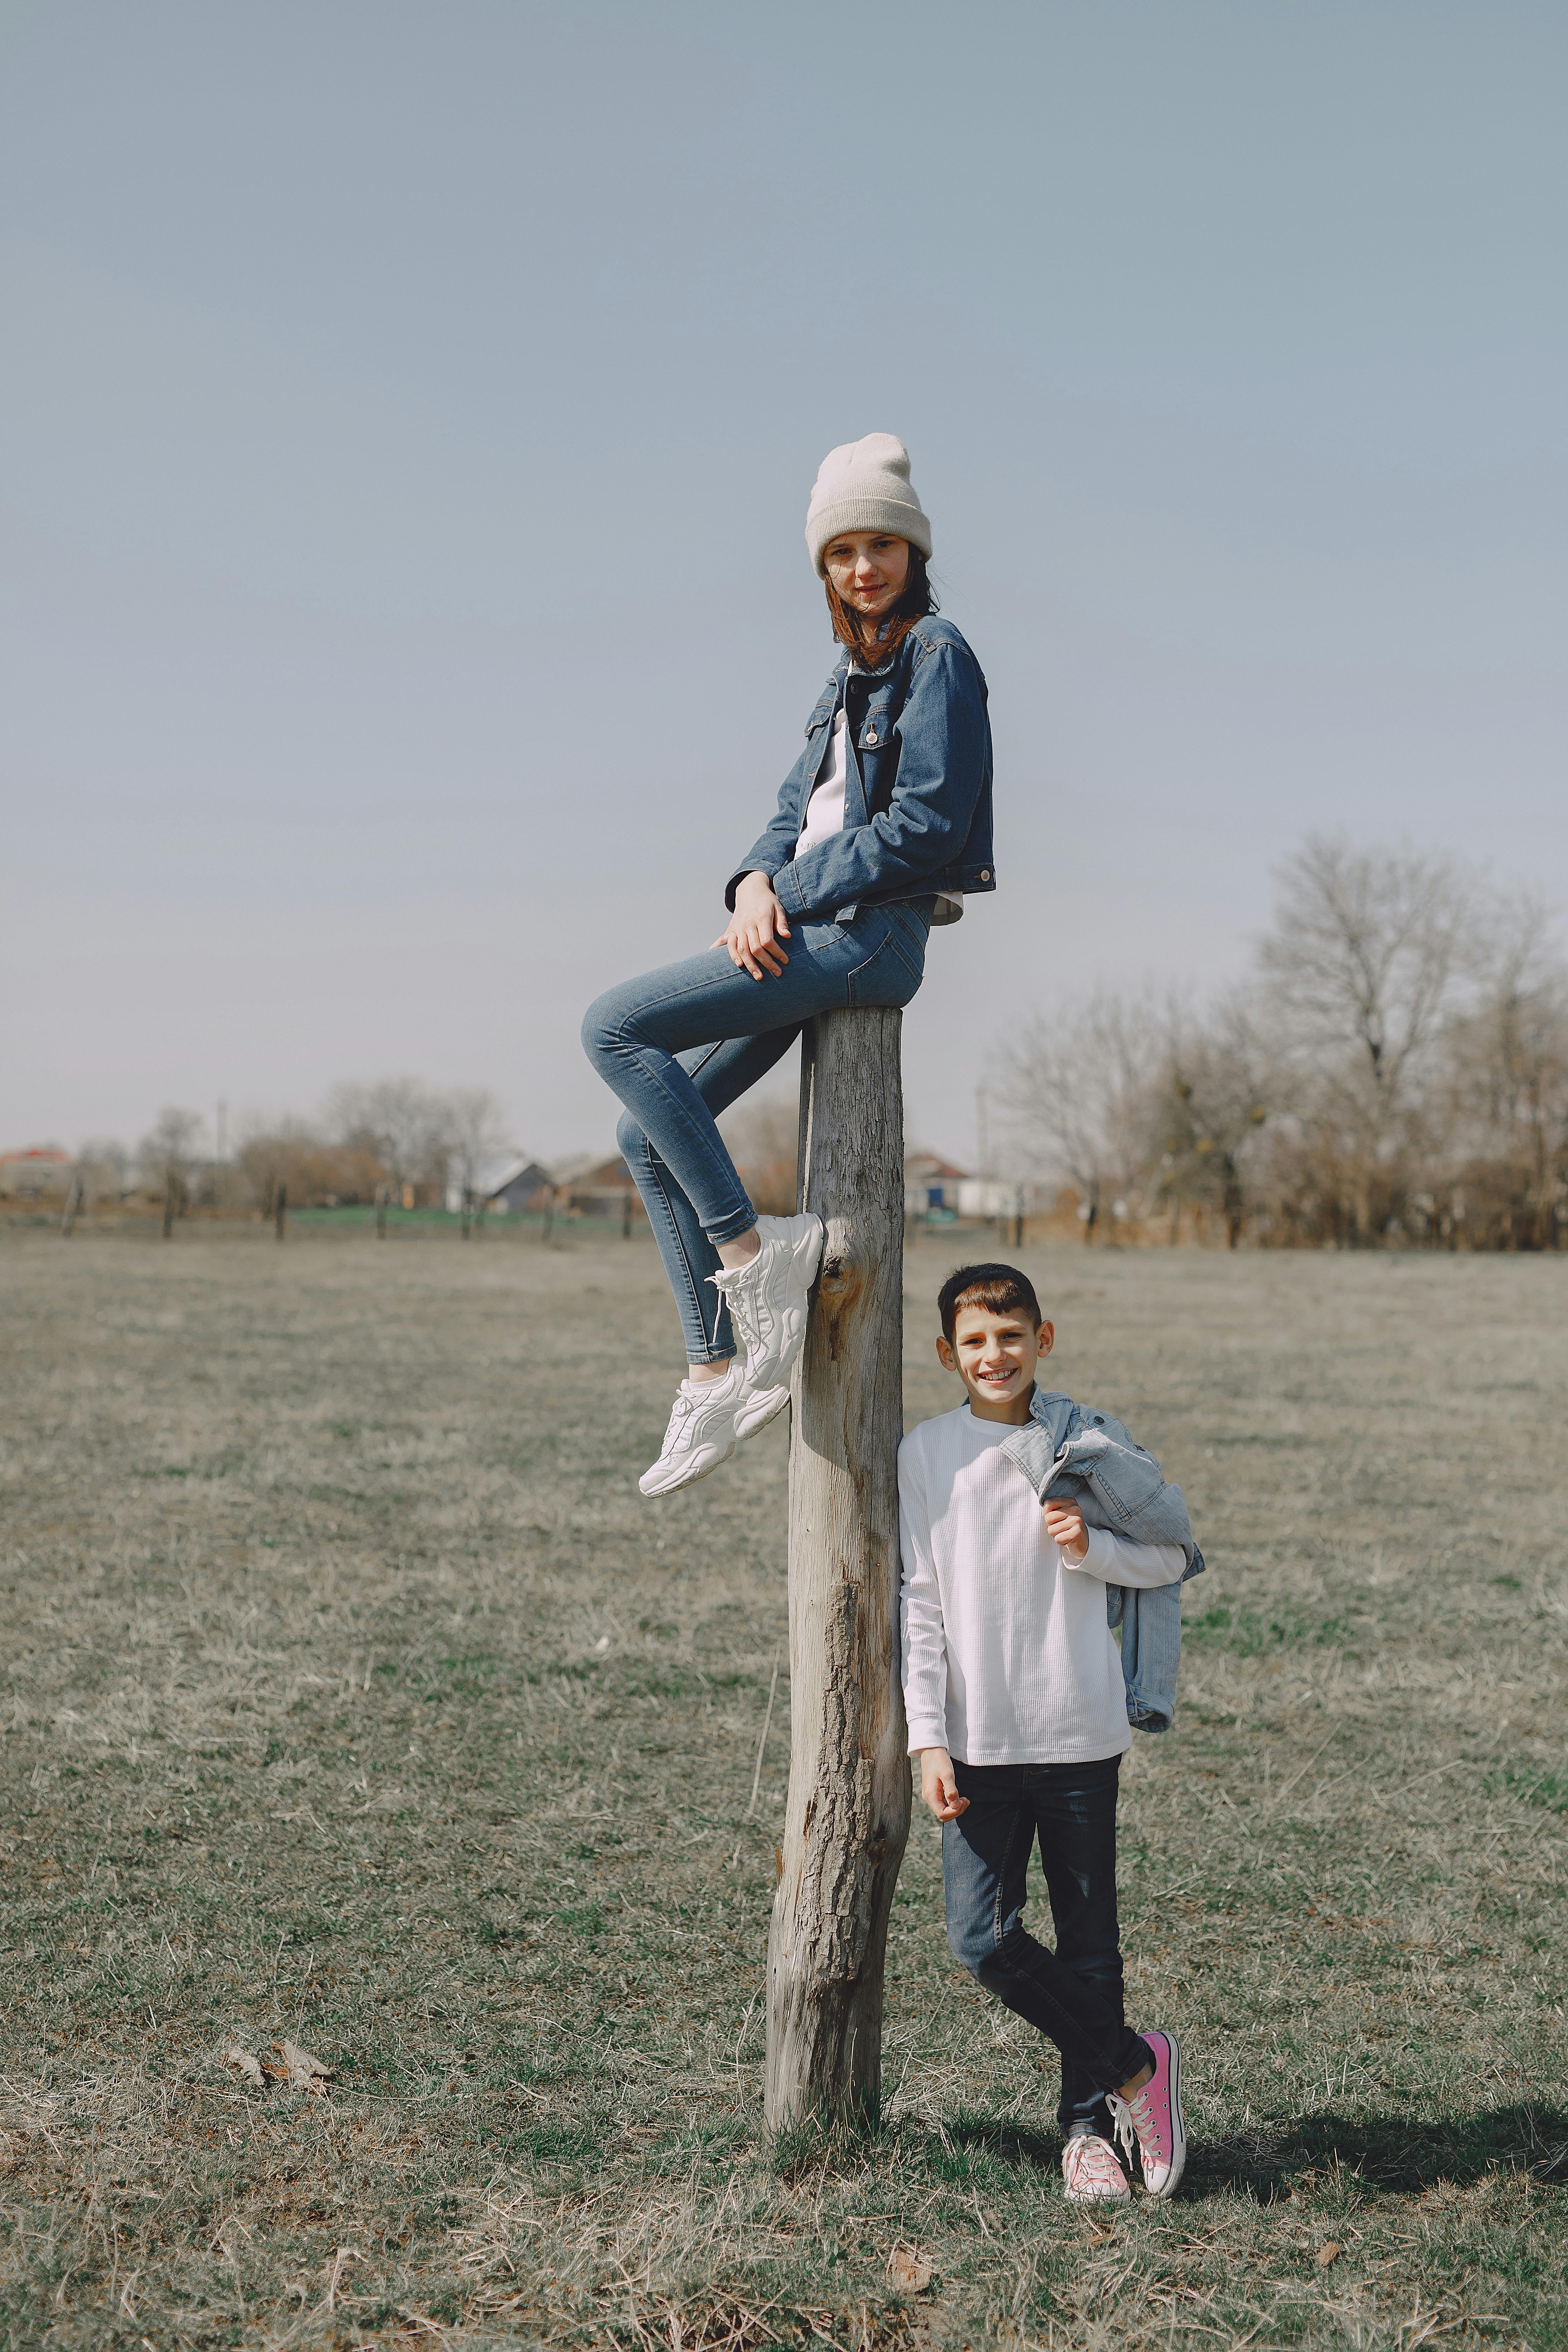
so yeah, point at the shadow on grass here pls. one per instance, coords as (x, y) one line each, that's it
(1394, 2154)
(1012, 2144)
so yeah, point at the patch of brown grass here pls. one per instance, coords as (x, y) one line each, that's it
(353, 1698)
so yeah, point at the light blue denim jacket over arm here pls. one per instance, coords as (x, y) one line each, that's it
(917, 794)
(1070, 1452)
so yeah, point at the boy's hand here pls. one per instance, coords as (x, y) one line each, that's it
(1065, 1526)
(939, 1789)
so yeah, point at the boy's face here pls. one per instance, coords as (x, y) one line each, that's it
(994, 1355)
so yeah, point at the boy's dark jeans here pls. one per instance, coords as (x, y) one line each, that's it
(1073, 1995)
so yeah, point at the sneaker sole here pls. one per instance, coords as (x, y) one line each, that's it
(1178, 2127)
(765, 1407)
(708, 1458)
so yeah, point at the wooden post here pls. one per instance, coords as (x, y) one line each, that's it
(847, 1814)
(282, 1212)
(381, 1213)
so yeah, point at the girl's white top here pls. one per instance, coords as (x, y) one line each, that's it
(825, 810)
(824, 815)
(1008, 1657)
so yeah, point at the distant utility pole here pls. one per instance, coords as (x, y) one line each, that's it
(982, 1135)
(222, 1133)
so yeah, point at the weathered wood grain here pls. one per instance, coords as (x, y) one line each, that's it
(848, 1816)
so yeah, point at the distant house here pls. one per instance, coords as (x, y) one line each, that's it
(597, 1188)
(42, 1169)
(525, 1186)
(932, 1184)
(988, 1196)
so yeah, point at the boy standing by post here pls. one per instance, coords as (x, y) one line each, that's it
(1018, 1712)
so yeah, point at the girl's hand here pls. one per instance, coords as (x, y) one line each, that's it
(939, 1789)
(755, 928)
(1065, 1529)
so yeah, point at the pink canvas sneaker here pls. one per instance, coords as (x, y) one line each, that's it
(1091, 2172)
(1153, 2117)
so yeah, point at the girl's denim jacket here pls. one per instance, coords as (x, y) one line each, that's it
(1066, 1451)
(917, 796)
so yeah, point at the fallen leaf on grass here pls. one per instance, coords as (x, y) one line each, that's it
(244, 2064)
(302, 2067)
(1326, 2254)
(909, 2268)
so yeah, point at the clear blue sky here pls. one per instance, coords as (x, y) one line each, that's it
(410, 416)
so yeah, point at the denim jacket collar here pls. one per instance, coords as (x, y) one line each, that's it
(917, 790)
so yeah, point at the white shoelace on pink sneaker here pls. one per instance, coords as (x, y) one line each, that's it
(1135, 2123)
(1091, 2171)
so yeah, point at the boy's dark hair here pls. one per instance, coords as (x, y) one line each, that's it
(995, 1287)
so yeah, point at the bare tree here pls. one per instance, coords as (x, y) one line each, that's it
(286, 1155)
(1358, 964)
(473, 1132)
(1080, 1090)
(402, 1120)
(107, 1154)
(763, 1135)
(1217, 1088)
(101, 1166)
(1357, 971)
(1506, 1081)
(167, 1153)
(1398, 1073)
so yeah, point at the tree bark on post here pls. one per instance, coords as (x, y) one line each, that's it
(847, 1815)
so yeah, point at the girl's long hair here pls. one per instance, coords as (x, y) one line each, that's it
(913, 605)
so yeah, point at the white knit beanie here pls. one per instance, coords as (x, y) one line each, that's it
(865, 485)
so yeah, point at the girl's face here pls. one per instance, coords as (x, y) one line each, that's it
(870, 569)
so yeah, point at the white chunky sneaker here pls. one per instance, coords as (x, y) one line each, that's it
(766, 1296)
(757, 1408)
(701, 1431)
(1093, 2175)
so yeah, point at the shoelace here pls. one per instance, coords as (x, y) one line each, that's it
(1134, 2121)
(678, 1411)
(742, 1306)
(1087, 2153)
(685, 1405)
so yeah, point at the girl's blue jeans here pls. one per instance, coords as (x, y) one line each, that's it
(679, 1045)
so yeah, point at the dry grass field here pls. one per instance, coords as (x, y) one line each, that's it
(354, 1699)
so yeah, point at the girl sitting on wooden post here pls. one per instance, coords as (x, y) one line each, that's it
(883, 826)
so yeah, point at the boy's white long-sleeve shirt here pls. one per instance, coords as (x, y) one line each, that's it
(1007, 1658)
